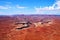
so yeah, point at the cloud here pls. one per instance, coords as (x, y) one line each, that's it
(58, 4)
(54, 9)
(20, 7)
(5, 7)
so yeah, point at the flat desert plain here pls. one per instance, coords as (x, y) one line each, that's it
(36, 30)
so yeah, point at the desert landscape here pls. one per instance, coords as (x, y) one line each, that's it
(43, 27)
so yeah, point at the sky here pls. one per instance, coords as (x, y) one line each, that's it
(28, 7)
